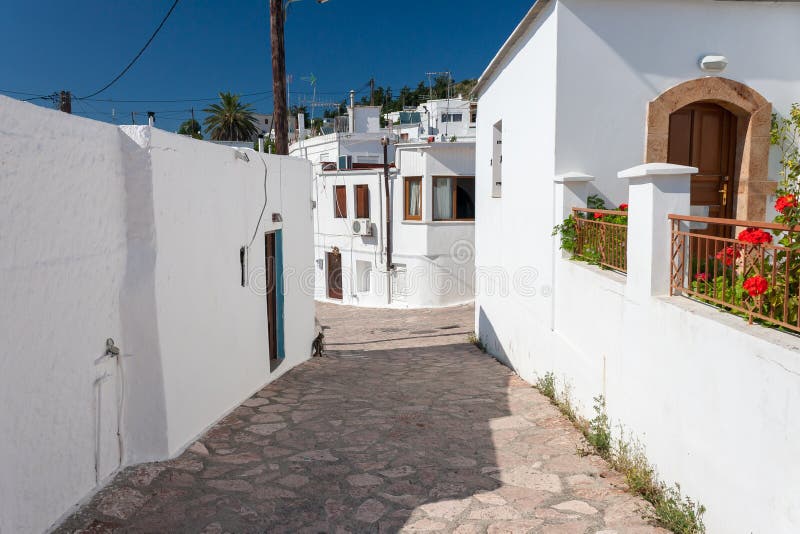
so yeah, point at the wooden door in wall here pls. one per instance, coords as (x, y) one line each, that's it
(703, 135)
(270, 252)
(334, 261)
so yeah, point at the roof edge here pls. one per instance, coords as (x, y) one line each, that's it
(529, 18)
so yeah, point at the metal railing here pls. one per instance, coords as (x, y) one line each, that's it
(755, 275)
(601, 236)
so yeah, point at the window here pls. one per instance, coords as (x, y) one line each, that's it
(413, 198)
(362, 201)
(497, 159)
(340, 202)
(451, 117)
(454, 198)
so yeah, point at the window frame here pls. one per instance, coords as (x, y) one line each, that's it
(339, 212)
(453, 197)
(406, 198)
(357, 188)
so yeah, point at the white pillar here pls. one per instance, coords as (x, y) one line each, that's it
(570, 192)
(655, 191)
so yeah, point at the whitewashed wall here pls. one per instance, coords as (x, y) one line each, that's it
(512, 232)
(617, 55)
(133, 235)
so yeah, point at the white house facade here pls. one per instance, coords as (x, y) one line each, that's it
(431, 190)
(680, 86)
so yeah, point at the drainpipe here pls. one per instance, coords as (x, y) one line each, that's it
(389, 265)
(352, 118)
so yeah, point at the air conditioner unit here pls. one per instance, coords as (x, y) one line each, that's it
(362, 227)
(345, 163)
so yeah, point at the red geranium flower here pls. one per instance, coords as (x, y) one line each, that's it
(728, 255)
(623, 207)
(598, 215)
(755, 236)
(755, 285)
(784, 202)
(701, 277)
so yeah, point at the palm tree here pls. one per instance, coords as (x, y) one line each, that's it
(230, 120)
(190, 127)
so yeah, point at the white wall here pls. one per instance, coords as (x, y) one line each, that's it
(616, 56)
(713, 401)
(133, 235)
(512, 235)
(63, 258)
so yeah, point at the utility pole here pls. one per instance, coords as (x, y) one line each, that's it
(65, 102)
(277, 17)
(372, 91)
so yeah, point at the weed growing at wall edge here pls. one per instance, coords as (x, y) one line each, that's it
(475, 340)
(671, 510)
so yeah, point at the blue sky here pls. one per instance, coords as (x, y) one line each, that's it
(211, 45)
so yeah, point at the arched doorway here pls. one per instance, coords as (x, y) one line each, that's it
(748, 171)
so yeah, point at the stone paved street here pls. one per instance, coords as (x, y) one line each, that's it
(404, 426)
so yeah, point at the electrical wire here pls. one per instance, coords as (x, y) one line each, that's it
(264, 207)
(121, 74)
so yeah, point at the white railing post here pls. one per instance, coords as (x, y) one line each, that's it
(570, 192)
(655, 190)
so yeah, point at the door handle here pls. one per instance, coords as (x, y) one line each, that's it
(724, 192)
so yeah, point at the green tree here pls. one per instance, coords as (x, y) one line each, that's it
(191, 127)
(230, 120)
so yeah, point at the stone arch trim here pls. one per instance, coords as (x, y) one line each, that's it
(753, 135)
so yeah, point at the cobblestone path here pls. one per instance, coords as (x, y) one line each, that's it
(404, 426)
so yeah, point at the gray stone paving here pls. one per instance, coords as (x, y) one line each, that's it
(404, 426)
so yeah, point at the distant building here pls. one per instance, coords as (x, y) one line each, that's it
(443, 118)
(431, 189)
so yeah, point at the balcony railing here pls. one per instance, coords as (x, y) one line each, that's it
(601, 236)
(755, 275)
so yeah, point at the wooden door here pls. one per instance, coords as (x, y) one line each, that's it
(704, 136)
(334, 275)
(272, 294)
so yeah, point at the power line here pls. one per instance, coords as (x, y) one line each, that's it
(121, 74)
(175, 100)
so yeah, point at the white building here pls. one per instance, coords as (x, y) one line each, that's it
(431, 193)
(608, 86)
(443, 119)
(156, 241)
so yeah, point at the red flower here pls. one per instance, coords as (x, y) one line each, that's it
(755, 236)
(623, 207)
(784, 202)
(598, 215)
(755, 285)
(728, 255)
(701, 277)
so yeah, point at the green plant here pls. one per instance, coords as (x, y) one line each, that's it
(475, 340)
(190, 127)
(547, 385)
(230, 120)
(568, 234)
(670, 510)
(599, 430)
(596, 240)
